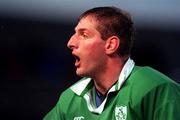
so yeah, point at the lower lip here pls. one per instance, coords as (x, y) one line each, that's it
(77, 63)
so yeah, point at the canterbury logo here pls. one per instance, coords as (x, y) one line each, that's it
(79, 118)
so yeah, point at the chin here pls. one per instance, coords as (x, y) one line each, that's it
(81, 73)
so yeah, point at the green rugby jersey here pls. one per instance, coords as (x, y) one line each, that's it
(145, 95)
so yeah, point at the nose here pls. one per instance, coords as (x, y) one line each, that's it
(72, 42)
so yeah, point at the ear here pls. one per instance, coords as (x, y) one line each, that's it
(112, 44)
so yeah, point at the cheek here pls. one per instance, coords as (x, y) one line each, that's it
(96, 47)
(95, 54)
(92, 49)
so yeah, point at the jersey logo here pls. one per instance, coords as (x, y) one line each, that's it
(79, 118)
(121, 113)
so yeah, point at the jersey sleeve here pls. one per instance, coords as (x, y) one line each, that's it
(55, 113)
(168, 111)
(169, 103)
(59, 112)
(163, 103)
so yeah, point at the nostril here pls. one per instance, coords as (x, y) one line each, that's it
(69, 44)
(72, 45)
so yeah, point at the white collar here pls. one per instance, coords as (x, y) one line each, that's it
(80, 86)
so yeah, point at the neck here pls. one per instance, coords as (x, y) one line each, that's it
(105, 80)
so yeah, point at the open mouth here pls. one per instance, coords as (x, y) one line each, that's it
(77, 60)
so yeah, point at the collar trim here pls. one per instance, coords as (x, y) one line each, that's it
(80, 86)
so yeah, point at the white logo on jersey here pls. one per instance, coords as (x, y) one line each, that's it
(79, 118)
(121, 113)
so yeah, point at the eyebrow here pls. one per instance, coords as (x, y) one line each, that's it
(81, 29)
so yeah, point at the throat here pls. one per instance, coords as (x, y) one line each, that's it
(99, 97)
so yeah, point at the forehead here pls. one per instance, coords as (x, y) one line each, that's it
(86, 23)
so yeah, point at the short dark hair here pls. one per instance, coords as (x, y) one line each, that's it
(114, 21)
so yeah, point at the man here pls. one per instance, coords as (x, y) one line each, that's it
(112, 87)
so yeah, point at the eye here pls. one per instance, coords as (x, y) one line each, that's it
(84, 36)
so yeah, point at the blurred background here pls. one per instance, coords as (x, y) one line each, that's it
(36, 66)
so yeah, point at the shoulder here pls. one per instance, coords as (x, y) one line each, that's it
(148, 76)
(74, 91)
(146, 80)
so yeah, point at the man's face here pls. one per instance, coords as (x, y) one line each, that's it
(88, 48)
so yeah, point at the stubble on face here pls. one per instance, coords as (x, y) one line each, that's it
(91, 50)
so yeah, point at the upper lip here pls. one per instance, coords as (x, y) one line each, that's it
(74, 53)
(76, 56)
